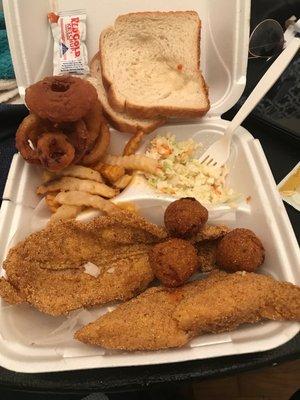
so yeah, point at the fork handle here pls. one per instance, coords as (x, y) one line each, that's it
(266, 82)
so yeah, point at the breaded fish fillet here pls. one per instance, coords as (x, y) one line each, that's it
(162, 318)
(47, 269)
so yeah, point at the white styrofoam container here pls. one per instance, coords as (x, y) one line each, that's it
(223, 60)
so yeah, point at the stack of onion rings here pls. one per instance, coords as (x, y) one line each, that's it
(65, 125)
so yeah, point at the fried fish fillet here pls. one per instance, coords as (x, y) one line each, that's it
(162, 318)
(9, 293)
(47, 269)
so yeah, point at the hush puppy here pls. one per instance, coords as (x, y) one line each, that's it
(173, 261)
(185, 217)
(240, 250)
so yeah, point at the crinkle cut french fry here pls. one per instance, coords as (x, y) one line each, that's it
(77, 198)
(123, 182)
(133, 144)
(74, 171)
(51, 203)
(112, 172)
(84, 185)
(65, 211)
(138, 162)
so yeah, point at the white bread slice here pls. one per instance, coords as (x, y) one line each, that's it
(150, 65)
(120, 121)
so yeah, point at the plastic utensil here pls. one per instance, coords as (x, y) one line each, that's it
(218, 153)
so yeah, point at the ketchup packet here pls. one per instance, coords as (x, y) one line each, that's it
(69, 34)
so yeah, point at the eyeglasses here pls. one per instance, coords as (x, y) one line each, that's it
(268, 38)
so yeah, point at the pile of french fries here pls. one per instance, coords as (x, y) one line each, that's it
(75, 188)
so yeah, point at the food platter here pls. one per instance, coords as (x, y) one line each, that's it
(245, 340)
(249, 174)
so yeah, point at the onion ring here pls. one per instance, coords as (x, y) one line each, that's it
(28, 131)
(76, 132)
(93, 121)
(63, 98)
(100, 147)
(78, 135)
(55, 151)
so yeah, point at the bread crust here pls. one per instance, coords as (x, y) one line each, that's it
(131, 128)
(155, 112)
(121, 124)
(139, 111)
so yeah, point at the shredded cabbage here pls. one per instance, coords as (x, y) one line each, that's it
(182, 175)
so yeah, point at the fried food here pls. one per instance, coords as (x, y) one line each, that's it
(9, 293)
(112, 172)
(65, 211)
(55, 151)
(123, 182)
(240, 250)
(173, 262)
(211, 232)
(62, 98)
(75, 171)
(47, 269)
(83, 199)
(206, 242)
(185, 217)
(70, 183)
(67, 107)
(237, 299)
(133, 144)
(52, 204)
(207, 255)
(40, 140)
(128, 206)
(162, 318)
(136, 162)
(79, 136)
(100, 147)
(93, 120)
(49, 175)
(27, 129)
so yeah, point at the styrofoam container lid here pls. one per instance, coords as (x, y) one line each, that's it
(224, 49)
(224, 38)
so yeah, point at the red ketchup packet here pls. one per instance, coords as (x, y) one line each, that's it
(69, 50)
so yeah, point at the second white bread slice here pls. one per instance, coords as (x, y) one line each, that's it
(119, 120)
(150, 65)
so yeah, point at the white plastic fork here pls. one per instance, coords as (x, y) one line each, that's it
(217, 154)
